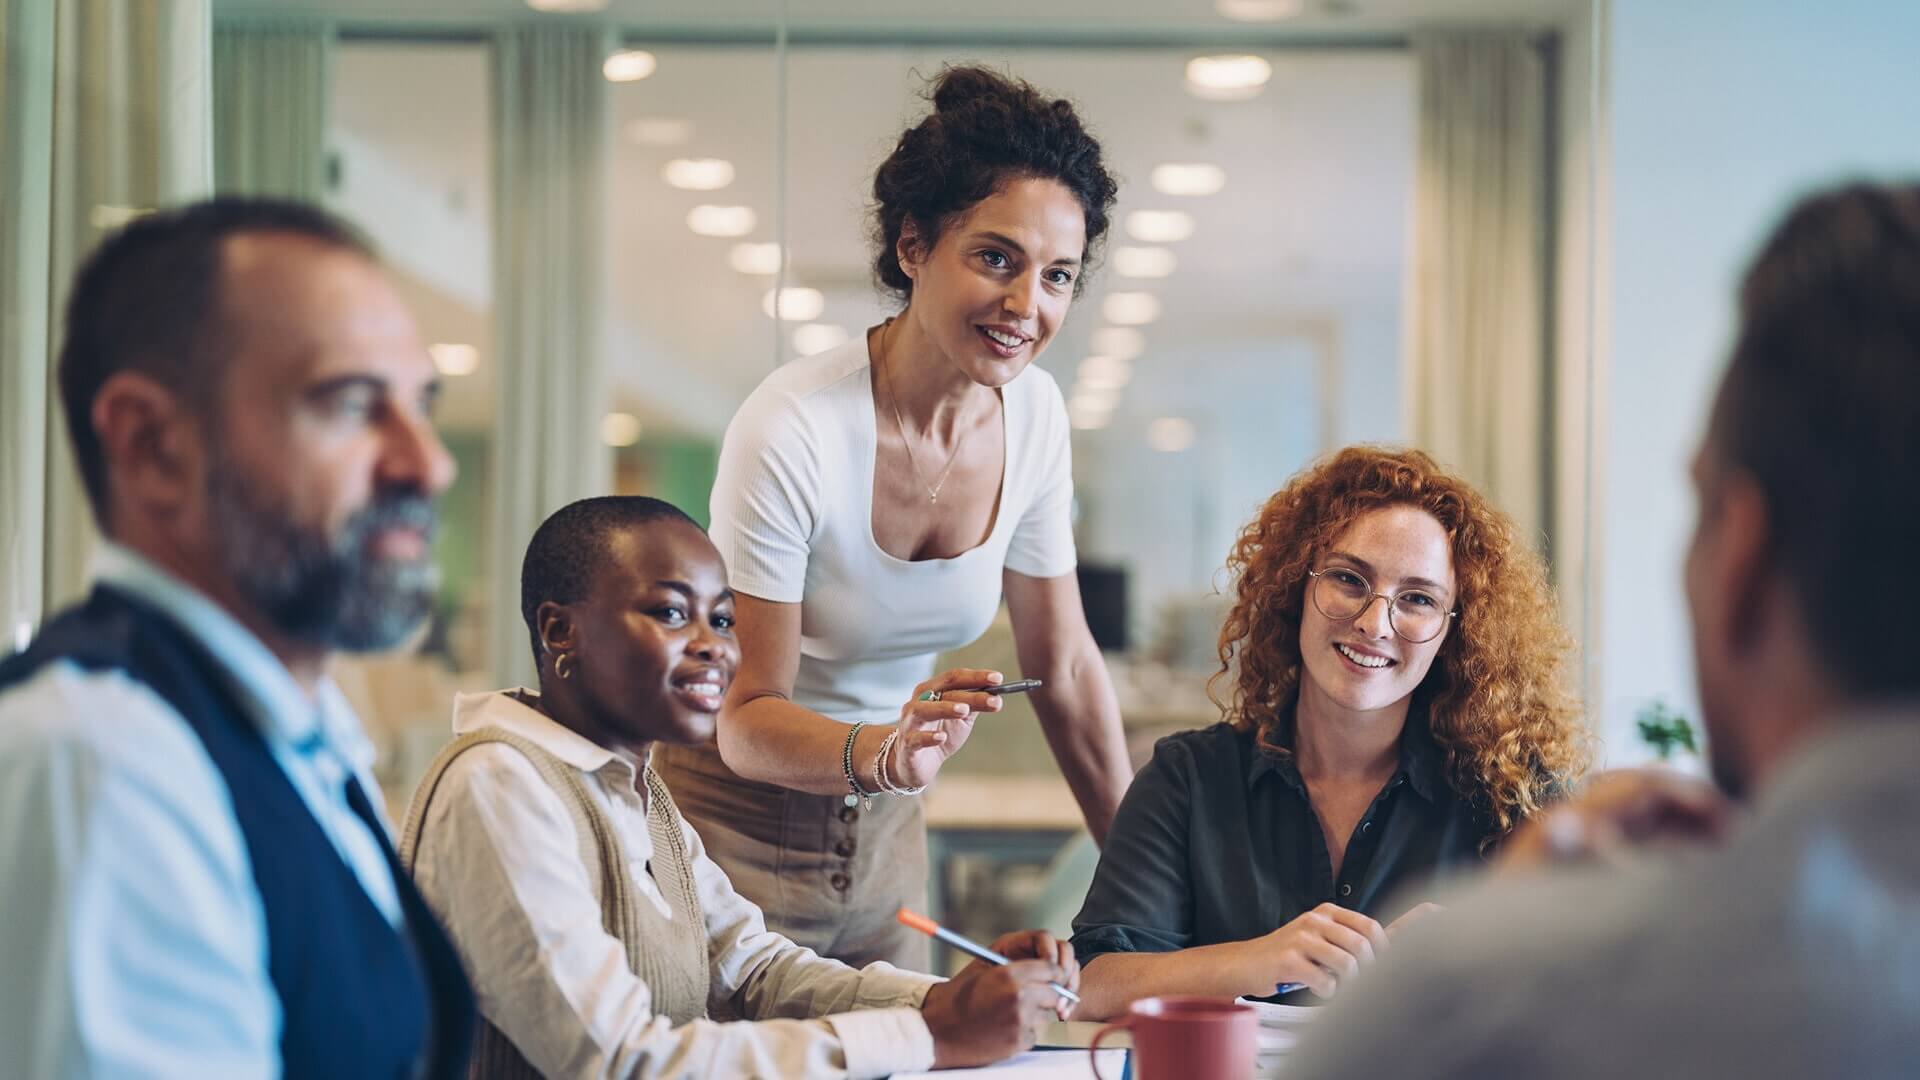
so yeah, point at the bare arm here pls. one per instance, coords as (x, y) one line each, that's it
(1077, 708)
(765, 736)
(1321, 950)
(1112, 981)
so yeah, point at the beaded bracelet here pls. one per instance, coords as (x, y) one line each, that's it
(856, 795)
(880, 779)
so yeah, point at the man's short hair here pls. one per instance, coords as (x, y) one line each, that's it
(570, 548)
(1821, 406)
(148, 300)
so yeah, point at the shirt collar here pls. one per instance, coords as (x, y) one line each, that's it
(277, 702)
(510, 710)
(1420, 757)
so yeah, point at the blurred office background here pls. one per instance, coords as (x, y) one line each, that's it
(1504, 230)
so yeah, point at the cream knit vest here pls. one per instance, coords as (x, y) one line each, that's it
(669, 955)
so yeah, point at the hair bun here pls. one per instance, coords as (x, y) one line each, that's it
(960, 87)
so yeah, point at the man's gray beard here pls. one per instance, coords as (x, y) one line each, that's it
(325, 592)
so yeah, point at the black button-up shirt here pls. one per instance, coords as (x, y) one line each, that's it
(1216, 841)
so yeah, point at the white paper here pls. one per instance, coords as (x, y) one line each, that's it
(1287, 1016)
(1038, 1065)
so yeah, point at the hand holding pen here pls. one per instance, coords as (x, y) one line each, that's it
(935, 724)
(999, 1005)
(1318, 951)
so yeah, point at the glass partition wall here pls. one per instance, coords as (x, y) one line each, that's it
(1245, 315)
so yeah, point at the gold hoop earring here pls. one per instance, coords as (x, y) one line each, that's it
(560, 668)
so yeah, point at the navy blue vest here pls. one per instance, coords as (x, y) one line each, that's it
(357, 997)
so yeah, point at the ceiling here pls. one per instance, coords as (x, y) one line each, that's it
(1310, 228)
(1311, 220)
(995, 18)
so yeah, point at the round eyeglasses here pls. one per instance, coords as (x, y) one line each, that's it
(1341, 594)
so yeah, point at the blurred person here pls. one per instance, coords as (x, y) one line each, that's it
(196, 877)
(600, 937)
(874, 505)
(1782, 939)
(1397, 707)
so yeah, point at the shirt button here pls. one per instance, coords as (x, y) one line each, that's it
(1366, 826)
(1346, 890)
(840, 881)
(844, 849)
(848, 814)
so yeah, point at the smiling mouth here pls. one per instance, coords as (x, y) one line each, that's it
(1008, 345)
(1365, 660)
(704, 695)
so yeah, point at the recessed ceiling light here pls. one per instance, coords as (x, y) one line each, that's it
(698, 174)
(1104, 373)
(454, 359)
(629, 65)
(1131, 308)
(571, 6)
(817, 338)
(721, 220)
(1259, 10)
(619, 429)
(1170, 434)
(796, 304)
(1227, 78)
(755, 258)
(660, 131)
(1197, 178)
(1120, 342)
(1143, 262)
(1160, 226)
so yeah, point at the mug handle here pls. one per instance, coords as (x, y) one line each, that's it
(1093, 1057)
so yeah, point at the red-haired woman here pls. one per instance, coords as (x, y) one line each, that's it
(1396, 706)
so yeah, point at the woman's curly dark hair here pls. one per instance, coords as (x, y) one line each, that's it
(985, 130)
(1496, 696)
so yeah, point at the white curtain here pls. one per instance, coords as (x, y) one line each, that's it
(1477, 378)
(270, 107)
(549, 137)
(26, 209)
(107, 115)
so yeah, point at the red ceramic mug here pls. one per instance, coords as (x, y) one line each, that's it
(1187, 1038)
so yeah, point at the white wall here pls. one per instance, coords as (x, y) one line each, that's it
(1720, 112)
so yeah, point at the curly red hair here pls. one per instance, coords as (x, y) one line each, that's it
(1496, 697)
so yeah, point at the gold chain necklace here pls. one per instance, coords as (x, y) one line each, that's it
(933, 490)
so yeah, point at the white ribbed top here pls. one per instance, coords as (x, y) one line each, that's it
(793, 517)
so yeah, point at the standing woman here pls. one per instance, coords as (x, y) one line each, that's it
(874, 502)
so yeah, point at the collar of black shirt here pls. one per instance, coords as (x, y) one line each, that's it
(1420, 757)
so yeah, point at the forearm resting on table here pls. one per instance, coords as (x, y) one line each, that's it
(767, 738)
(1112, 981)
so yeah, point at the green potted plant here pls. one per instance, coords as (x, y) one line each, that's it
(1666, 731)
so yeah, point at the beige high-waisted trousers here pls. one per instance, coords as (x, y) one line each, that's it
(827, 875)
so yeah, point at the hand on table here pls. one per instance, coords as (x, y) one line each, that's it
(1617, 813)
(989, 1012)
(933, 731)
(1319, 950)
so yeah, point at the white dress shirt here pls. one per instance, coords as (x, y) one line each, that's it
(1792, 951)
(498, 860)
(133, 939)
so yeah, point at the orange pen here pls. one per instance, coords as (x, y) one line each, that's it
(966, 945)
